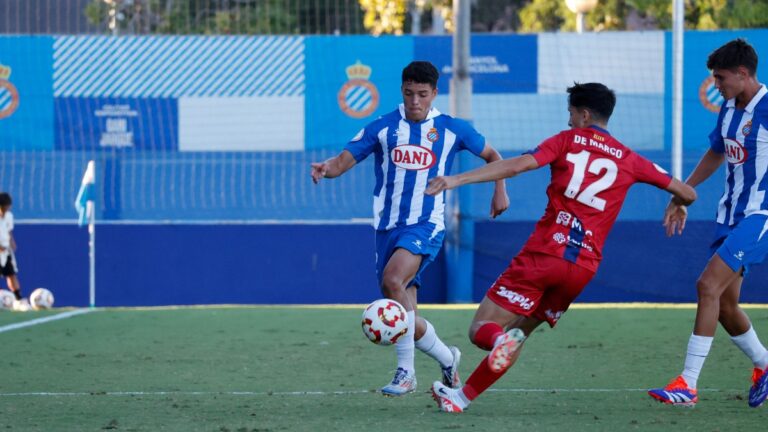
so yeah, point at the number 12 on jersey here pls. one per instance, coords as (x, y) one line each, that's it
(581, 164)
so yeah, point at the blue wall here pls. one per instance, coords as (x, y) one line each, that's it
(143, 265)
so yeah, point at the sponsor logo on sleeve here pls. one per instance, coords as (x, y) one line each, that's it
(359, 136)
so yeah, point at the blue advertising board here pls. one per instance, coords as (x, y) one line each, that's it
(700, 98)
(350, 81)
(26, 93)
(498, 63)
(116, 123)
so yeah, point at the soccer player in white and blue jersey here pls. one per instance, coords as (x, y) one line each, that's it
(411, 145)
(740, 138)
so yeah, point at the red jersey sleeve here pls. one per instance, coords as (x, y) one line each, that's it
(648, 172)
(550, 149)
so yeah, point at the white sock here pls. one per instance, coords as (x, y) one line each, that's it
(405, 346)
(463, 400)
(751, 346)
(432, 346)
(698, 349)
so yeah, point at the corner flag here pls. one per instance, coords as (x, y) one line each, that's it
(86, 195)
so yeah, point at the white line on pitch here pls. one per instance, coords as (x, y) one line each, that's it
(44, 320)
(318, 393)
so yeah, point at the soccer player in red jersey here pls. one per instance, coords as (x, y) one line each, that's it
(591, 174)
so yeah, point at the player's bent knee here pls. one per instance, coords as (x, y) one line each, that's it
(707, 290)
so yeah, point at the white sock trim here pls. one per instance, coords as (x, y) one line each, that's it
(431, 345)
(405, 345)
(750, 345)
(698, 350)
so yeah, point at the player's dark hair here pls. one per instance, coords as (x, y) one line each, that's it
(421, 72)
(732, 55)
(5, 199)
(595, 97)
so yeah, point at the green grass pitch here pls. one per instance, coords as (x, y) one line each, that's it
(311, 369)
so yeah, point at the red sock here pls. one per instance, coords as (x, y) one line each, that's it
(486, 335)
(480, 380)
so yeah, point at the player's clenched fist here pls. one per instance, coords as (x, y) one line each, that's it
(441, 183)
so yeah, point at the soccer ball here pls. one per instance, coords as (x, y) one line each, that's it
(384, 321)
(6, 299)
(41, 298)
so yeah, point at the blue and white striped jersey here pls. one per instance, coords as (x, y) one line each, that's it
(742, 134)
(408, 154)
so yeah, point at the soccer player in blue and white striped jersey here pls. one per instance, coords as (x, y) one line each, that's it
(740, 138)
(412, 145)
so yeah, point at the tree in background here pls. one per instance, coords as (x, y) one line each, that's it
(398, 16)
(552, 15)
(384, 16)
(227, 16)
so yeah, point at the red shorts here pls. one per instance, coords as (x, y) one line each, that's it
(539, 286)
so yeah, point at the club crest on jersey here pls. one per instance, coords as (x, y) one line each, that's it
(9, 96)
(412, 157)
(358, 97)
(747, 128)
(432, 135)
(735, 151)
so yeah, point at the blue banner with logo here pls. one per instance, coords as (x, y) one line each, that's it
(26, 94)
(702, 101)
(350, 81)
(498, 63)
(88, 123)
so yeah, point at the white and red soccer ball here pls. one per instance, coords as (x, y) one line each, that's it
(384, 321)
(41, 298)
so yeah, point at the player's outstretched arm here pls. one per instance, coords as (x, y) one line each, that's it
(493, 171)
(332, 167)
(676, 212)
(708, 164)
(500, 199)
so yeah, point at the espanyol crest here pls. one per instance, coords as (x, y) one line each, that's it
(412, 157)
(358, 97)
(735, 151)
(747, 128)
(709, 96)
(9, 96)
(432, 135)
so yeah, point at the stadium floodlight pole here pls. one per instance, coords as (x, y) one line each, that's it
(678, 29)
(580, 8)
(461, 230)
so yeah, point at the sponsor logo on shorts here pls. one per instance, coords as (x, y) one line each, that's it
(515, 298)
(417, 243)
(559, 238)
(739, 255)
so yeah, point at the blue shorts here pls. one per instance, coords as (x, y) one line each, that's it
(743, 244)
(420, 239)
